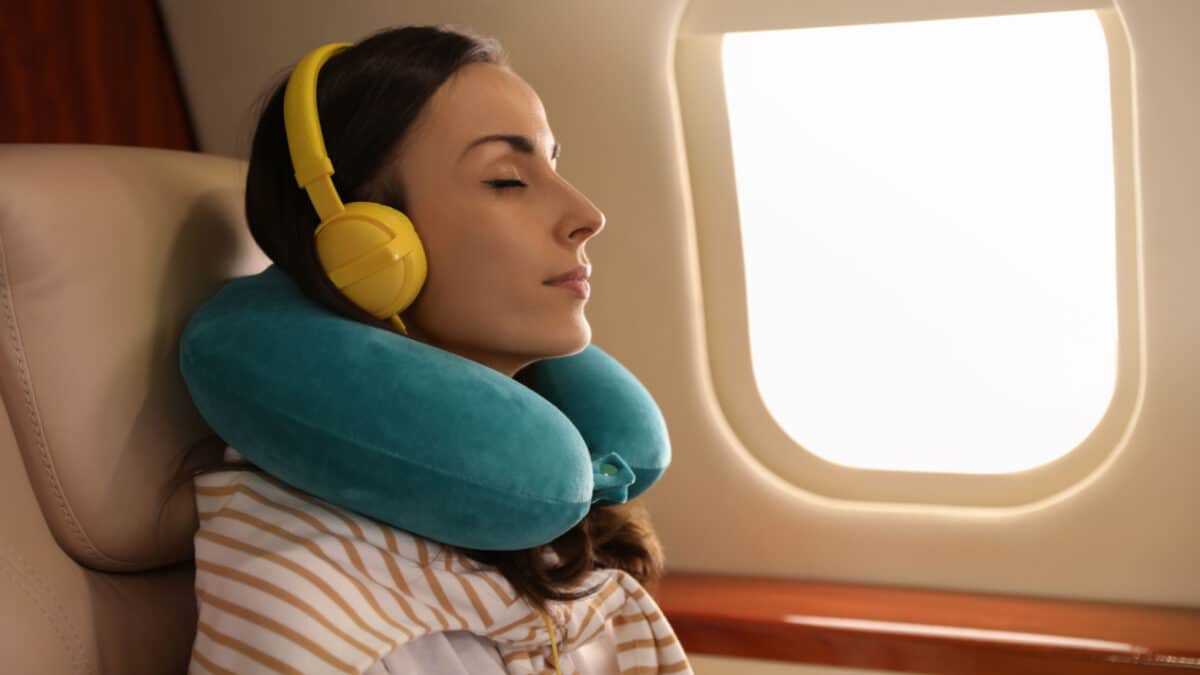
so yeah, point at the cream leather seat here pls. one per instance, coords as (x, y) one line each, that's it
(104, 253)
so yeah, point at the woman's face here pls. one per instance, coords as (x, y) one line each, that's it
(497, 222)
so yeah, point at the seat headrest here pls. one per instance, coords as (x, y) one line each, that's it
(104, 254)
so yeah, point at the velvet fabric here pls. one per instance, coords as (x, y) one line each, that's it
(411, 435)
(614, 414)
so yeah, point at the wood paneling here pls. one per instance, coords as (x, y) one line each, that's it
(924, 631)
(88, 71)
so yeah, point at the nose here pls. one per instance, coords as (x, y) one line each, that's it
(581, 219)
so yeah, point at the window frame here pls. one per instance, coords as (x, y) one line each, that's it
(702, 106)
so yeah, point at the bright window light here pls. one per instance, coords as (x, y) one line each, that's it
(928, 227)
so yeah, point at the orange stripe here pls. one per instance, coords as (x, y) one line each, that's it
(284, 596)
(634, 644)
(438, 591)
(501, 595)
(309, 520)
(639, 644)
(219, 491)
(311, 547)
(209, 665)
(504, 597)
(278, 628)
(246, 650)
(354, 528)
(591, 637)
(302, 571)
(463, 560)
(348, 546)
(441, 618)
(655, 670)
(332, 509)
(622, 619)
(480, 609)
(390, 539)
(515, 624)
(402, 583)
(596, 603)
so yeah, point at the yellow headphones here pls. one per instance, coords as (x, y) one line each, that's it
(370, 251)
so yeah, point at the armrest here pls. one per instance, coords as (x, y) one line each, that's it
(911, 630)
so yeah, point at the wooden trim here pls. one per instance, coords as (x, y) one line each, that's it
(89, 71)
(916, 631)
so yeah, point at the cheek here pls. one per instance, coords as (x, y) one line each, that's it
(488, 261)
(498, 244)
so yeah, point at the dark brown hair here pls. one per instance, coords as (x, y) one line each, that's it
(367, 99)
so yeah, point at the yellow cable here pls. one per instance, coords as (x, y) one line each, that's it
(398, 324)
(553, 642)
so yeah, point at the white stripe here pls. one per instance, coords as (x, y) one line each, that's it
(955, 632)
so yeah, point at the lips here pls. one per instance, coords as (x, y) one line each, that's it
(580, 273)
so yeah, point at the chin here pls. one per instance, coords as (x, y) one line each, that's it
(572, 345)
(562, 340)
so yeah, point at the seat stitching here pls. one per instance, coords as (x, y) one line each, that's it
(17, 347)
(26, 579)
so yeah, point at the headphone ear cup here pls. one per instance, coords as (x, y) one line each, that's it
(373, 255)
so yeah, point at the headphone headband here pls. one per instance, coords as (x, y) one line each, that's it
(371, 252)
(305, 143)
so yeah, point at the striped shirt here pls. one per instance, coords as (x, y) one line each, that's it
(287, 583)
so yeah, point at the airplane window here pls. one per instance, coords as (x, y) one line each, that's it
(927, 215)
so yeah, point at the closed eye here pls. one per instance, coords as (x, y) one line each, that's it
(502, 183)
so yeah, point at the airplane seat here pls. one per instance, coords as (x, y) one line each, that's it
(104, 253)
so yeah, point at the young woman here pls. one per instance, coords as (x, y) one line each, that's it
(432, 122)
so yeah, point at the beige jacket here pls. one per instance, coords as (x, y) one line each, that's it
(288, 583)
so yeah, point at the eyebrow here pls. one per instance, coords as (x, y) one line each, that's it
(515, 141)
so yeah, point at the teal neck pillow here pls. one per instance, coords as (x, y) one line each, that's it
(411, 435)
